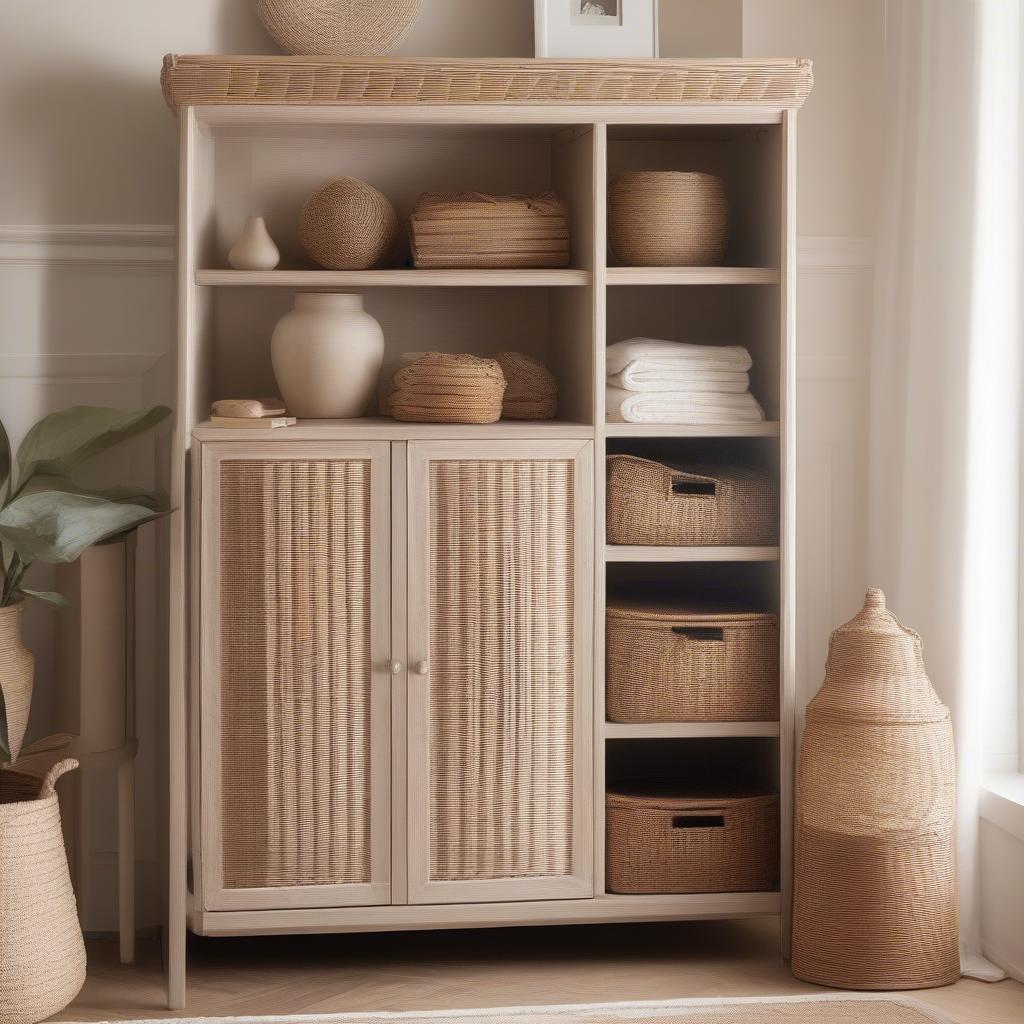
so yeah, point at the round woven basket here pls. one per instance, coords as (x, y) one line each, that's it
(668, 219)
(42, 956)
(347, 224)
(532, 392)
(339, 28)
(874, 896)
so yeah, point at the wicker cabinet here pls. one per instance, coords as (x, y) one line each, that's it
(499, 625)
(295, 698)
(302, 673)
(387, 704)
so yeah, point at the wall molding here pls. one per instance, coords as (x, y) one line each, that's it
(112, 246)
(79, 367)
(152, 247)
(835, 252)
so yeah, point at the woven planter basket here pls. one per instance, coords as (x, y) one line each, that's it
(42, 956)
(337, 27)
(473, 230)
(875, 897)
(672, 663)
(532, 392)
(441, 387)
(347, 224)
(668, 219)
(669, 842)
(652, 503)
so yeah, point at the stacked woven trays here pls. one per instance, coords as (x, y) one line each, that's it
(473, 230)
(441, 387)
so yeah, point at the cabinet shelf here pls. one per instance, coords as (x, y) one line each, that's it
(692, 275)
(688, 730)
(770, 428)
(645, 553)
(382, 428)
(393, 278)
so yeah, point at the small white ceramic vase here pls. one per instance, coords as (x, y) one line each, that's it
(255, 249)
(327, 354)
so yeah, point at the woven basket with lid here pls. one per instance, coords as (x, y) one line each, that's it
(875, 897)
(446, 387)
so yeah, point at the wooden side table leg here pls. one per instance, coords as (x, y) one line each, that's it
(126, 858)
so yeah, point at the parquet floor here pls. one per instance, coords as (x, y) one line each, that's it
(449, 970)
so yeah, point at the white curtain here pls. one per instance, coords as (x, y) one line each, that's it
(944, 516)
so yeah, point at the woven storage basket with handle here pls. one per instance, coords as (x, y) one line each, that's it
(657, 504)
(42, 956)
(676, 663)
(441, 387)
(470, 229)
(664, 841)
(347, 224)
(874, 894)
(532, 392)
(338, 27)
(668, 219)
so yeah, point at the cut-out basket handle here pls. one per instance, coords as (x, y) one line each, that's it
(701, 634)
(69, 764)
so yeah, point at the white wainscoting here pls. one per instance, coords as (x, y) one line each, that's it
(89, 318)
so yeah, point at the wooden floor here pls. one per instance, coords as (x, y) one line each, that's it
(451, 970)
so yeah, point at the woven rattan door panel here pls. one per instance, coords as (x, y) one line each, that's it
(500, 592)
(295, 688)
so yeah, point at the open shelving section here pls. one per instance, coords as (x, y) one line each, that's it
(239, 158)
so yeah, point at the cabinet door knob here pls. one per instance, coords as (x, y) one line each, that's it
(422, 668)
(396, 668)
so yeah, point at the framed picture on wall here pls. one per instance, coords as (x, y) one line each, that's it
(596, 28)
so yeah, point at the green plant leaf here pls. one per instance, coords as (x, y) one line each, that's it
(121, 494)
(55, 526)
(49, 596)
(5, 458)
(63, 440)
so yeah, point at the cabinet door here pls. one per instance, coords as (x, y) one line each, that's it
(295, 686)
(500, 665)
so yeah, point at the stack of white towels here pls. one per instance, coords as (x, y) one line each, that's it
(652, 381)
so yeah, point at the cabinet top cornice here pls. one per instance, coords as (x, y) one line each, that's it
(319, 81)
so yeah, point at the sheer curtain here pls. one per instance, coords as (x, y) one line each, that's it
(944, 502)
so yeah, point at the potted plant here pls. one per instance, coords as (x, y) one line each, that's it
(47, 516)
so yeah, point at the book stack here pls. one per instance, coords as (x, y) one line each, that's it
(251, 413)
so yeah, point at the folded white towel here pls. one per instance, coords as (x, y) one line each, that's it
(653, 354)
(635, 378)
(680, 407)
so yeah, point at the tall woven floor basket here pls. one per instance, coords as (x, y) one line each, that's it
(874, 890)
(42, 956)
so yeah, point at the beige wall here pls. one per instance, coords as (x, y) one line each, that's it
(85, 139)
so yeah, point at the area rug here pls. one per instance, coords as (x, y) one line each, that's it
(834, 1009)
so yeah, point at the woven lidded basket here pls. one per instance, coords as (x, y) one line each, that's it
(337, 27)
(709, 504)
(668, 219)
(442, 387)
(42, 955)
(661, 840)
(875, 896)
(676, 663)
(347, 224)
(532, 392)
(474, 230)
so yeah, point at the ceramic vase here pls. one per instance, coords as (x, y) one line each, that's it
(255, 249)
(42, 955)
(327, 354)
(16, 672)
